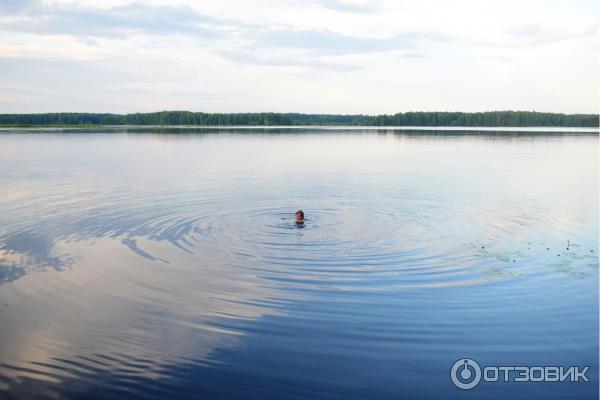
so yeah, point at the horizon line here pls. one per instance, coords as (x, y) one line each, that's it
(297, 113)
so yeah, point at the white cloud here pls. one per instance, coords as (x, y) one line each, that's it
(353, 56)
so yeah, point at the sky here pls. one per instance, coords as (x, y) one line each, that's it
(310, 56)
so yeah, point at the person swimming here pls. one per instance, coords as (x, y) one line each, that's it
(299, 217)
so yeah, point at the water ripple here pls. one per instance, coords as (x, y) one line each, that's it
(139, 285)
(365, 245)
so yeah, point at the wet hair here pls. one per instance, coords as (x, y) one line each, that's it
(300, 212)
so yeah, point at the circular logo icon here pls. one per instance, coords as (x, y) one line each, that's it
(465, 373)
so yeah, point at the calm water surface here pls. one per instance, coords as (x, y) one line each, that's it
(167, 265)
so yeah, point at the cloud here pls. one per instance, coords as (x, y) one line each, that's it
(241, 57)
(414, 55)
(116, 22)
(82, 54)
(324, 42)
(236, 41)
(532, 35)
(365, 7)
(13, 6)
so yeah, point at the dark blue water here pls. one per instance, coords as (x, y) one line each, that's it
(167, 265)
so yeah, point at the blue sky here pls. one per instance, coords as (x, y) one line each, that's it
(321, 56)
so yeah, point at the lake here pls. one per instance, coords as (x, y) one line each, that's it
(165, 263)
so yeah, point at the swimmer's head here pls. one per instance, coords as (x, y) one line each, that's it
(299, 216)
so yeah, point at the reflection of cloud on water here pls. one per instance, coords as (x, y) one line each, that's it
(23, 251)
(348, 244)
(133, 316)
(16, 193)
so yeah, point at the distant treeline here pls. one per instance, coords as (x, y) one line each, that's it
(491, 118)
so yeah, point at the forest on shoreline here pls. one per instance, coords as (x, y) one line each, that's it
(476, 119)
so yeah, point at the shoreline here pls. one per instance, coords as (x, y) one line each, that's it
(525, 129)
